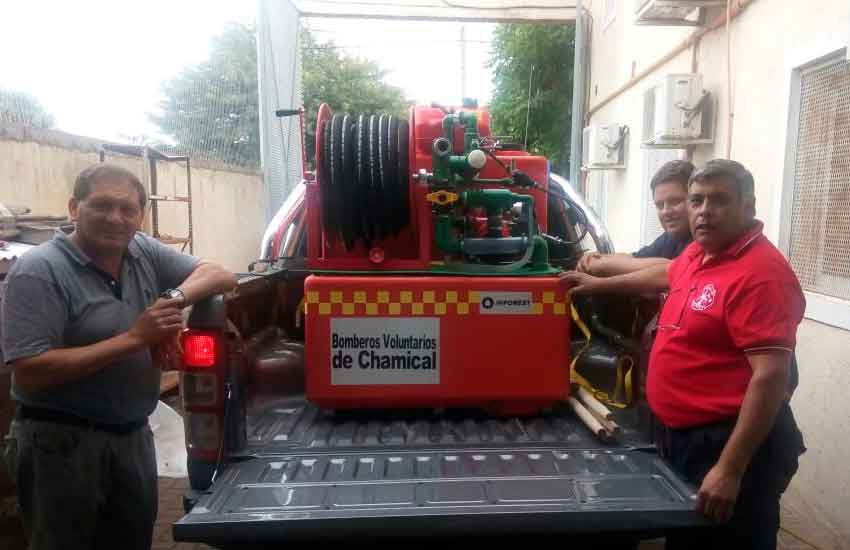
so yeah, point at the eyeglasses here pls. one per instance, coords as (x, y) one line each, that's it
(675, 321)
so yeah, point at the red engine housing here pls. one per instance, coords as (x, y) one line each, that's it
(413, 248)
(385, 340)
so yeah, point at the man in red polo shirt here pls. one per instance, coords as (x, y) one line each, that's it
(719, 368)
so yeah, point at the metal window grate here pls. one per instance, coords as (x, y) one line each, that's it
(280, 88)
(820, 214)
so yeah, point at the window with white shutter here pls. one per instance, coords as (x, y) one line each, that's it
(653, 159)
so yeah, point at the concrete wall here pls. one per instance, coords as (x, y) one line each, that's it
(38, 168)
(770, 39)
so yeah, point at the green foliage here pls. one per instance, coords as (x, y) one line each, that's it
(549, 49)
(20, 108)
(346, 84)
(211, 110)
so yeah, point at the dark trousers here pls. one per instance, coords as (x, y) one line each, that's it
(754, 525)
(79, 487)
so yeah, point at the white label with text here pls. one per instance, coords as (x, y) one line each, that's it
(380, 350)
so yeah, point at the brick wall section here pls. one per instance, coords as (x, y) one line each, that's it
(170, 510)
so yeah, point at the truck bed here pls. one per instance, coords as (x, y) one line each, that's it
(307, 473)
(293, 423)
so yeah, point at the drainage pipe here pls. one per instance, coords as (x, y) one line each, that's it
(579, 88)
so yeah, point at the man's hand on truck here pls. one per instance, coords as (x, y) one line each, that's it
(158, 323)
(718, 493)
(649, 280)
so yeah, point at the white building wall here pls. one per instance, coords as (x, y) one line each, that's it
(618, 51)
(770, 39)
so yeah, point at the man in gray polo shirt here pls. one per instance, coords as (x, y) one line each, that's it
(82, 315)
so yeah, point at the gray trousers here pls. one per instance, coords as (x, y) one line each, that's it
(83, 488)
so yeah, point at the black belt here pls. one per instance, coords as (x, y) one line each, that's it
(39, 414)
(784, 429)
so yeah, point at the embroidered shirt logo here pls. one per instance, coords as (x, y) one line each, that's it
(705, 298)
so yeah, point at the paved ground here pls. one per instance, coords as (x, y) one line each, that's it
(171, 500)
(170, 510)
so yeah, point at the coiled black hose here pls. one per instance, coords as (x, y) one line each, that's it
(364, 177)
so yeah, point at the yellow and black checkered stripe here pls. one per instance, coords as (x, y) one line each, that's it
(412, 303)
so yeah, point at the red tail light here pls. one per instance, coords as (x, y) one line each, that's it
(199, 349)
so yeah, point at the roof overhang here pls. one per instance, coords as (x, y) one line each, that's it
(442, 10)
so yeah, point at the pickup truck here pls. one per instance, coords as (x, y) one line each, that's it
(266, 466)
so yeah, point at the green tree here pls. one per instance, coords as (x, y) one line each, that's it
(346, 84)
(20, 108)
(518, 47)
(211, 110)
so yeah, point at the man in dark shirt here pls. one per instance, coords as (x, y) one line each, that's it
(667, 245)
(81, 317)
(669, 193)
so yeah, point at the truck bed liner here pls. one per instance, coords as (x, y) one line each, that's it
(293, 423)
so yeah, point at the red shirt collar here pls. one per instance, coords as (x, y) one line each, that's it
(735, 249)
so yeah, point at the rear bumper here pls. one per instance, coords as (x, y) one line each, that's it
(308, 473)
(612, 525)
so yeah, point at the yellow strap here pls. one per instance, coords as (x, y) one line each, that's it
(618, 388)
(624, 380)
(624, 371)
(584, 330)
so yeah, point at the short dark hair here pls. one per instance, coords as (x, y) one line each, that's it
(106, 171)
(735, 171)
(678, 171)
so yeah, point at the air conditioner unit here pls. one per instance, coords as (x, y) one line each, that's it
(672, 12)
(677, 112)
(604, 146)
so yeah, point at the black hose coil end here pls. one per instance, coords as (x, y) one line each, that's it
(349, 210)
(403, 174)
(364, 177)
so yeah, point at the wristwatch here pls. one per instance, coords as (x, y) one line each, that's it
(173, 294)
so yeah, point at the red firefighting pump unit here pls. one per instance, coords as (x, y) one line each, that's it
(431, 283)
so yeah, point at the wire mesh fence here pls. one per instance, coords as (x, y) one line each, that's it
(218, 102)
(208, 109)
(211, 110)
(214, 118)
(22, 109)
(280, 71)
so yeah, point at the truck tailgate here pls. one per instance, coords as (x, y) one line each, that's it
(312, 475)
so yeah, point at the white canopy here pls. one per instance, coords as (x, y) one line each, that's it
(436, 10)
(280, 61)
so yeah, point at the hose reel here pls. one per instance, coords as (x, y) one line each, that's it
(376, 206)
(363, 173)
